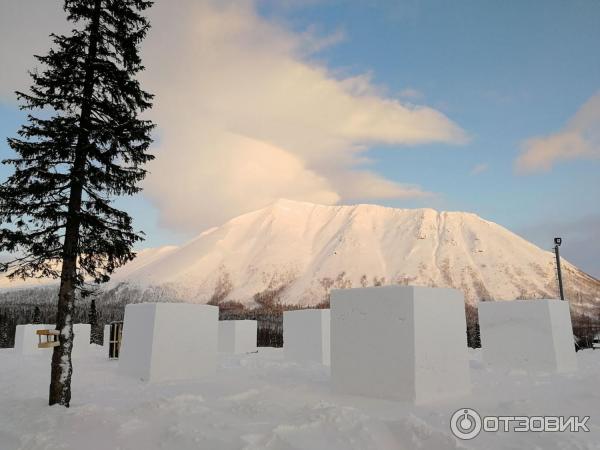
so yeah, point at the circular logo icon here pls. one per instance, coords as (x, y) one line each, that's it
(465, 423)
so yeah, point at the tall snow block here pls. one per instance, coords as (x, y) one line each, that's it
(402, 342)
(81, 344)
(533, 335)
(169, 341)
(306, 335)
(26, 339)
(106, 339)
(237, 336)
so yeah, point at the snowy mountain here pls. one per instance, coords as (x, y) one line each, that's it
(295, 252)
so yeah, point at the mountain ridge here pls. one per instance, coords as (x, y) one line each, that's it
(298, 251)
(294, 252)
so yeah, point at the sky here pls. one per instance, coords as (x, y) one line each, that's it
(481, 106)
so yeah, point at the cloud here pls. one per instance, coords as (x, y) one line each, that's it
(411, 94)
(25, 25)
(228, 178)
(245, 113)
(235, 90)
(365, 185)
(579, 139)
(479, 168)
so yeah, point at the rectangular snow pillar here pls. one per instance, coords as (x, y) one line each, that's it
(169, 341)
(402, 342)
(82, 331)
(26, 339)
(306, 335)
(106, 339)
(237, 336)
(530, 335)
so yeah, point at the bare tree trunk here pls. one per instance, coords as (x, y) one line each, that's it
(62, 367)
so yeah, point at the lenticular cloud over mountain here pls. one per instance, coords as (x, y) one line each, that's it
(247, 115)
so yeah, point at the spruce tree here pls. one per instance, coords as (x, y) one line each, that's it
(37, 315)
(93, 321)
(85, 146)
(3, 331)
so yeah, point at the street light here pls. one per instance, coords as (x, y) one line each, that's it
(557, 242)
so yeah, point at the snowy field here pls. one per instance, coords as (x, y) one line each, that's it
(260, 401)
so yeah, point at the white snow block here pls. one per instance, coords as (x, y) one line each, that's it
(169, 341)
(26, 339)
(402, 342)
(529, 335)
(106, 339)
(306, 335)
(237, 336)
(81, 344)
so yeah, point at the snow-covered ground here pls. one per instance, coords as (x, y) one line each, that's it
(261, 401)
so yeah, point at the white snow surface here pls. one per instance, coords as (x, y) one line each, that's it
(298, 251)
(261, 401)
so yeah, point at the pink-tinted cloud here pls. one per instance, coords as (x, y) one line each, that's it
(579, 139)
(245, 114)
(246, 117)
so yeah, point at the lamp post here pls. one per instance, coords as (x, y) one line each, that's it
(557, 242)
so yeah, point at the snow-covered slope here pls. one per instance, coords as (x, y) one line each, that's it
(296, 252)
(143, 258)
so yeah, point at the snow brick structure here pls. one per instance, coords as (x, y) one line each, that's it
(26, 339)
(81, 344)
(532, 335)
(401, 342)
(237, 336)
(306, 335)
(169, 341)
(106, 339)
